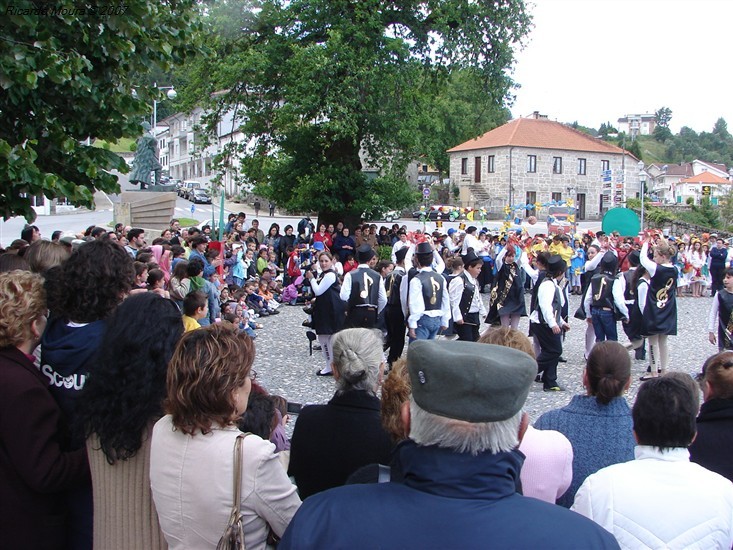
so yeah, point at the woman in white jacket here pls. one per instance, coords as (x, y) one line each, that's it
(192, 449)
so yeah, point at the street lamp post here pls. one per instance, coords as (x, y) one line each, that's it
(642, 182)
(171, 93)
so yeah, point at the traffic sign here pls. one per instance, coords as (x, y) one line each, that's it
(193, 208)
(426, 192)
(706, 189)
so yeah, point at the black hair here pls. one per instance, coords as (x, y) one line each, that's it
(543, 258)
(95, 279)
(154, 276)
(259, 416)
(124, 397)
(665, 410)
(56, 235)
(728, 271)
(193, 301)
(27, 233)
(11, 262)
(134, 233)
(195, 267)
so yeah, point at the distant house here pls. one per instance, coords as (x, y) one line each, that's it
(535, 160)
(675, 183)
(635, 125)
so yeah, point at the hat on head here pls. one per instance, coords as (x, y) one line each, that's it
(490, 384)
(609, 262)
(634, 258)
(556, 265)
(364, 253)
(423, 248)
(401, 253)
(451, 231)
(470, 257)
(318, 245)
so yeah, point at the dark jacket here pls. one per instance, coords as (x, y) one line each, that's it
(447, 500)
(713, 446)
(330, 442)
(35, 471)
(339, 241)
(717, 257)
(285, 242)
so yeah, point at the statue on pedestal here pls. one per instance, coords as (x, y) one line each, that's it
(146, 160)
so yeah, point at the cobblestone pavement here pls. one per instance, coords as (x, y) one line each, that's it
(285, 367)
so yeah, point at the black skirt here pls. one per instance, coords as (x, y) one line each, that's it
(660, 312)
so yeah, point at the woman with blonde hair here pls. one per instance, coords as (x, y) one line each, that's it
(192, 452)
(36, 469)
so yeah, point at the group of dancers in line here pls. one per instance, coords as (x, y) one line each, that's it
(428, 301)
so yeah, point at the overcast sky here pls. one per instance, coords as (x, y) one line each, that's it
(594, 61)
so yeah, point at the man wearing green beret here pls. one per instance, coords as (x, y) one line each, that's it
(460, 467)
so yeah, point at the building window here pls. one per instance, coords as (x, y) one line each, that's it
(557, 197)
(605, 165)
(464, 166)
(557, 165)
(581, 167)
(531, 163)
(490, 164)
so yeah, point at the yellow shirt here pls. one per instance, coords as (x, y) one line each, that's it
(189, 323)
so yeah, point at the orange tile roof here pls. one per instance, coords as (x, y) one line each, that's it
(705, 177)
(538, 133)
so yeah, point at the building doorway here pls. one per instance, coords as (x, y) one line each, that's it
(580, 207)
(531, 199)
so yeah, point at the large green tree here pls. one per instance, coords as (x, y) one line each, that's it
(326, 87)
(65, 71)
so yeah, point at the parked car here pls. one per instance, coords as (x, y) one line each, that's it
(188, 187)
(200, 195)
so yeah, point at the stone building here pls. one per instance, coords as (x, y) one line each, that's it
(535, 160)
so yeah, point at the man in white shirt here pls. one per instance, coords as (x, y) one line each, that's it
(399, 245)
(363, 291)
(470, 241)
(547, 323)
(661, 499)
(429, 303)
(467, 307)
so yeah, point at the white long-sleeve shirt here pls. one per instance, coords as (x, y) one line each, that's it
(396, 247)
(455, 290)
(617, 292)
(325, 284)
(545, 297)
(438, 264)
(417, 304)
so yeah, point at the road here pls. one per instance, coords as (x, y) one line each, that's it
(78, 221)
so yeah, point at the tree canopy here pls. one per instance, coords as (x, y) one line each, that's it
(327, 87)
(66, 71)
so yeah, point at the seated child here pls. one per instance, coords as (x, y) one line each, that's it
(195, 307)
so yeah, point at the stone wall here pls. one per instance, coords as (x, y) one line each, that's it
(543, 181)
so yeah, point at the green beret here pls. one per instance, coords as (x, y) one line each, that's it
(469, 381)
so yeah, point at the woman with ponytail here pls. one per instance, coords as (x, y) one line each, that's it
(598, 424)
(332, 441)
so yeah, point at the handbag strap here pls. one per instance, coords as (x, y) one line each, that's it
(238, 472)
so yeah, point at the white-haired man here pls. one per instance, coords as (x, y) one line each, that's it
(460, 467)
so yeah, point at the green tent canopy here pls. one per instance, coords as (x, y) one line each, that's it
(623, 220)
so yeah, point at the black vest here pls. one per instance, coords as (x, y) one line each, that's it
(601, 289)
(392, 284)
(535, 290)
(556, 304)
(364, 287)
(725, 308)
(432, 289)
(629, 291)
(469, 290)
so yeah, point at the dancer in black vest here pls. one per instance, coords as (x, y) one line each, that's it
(629, 310)
(601, 302)
(465, 299)
(660, 313)
(429, 304)
(394, 317)
(506, 302)
(328, 309)
(363, 291)
(721, 314)
(547, 324)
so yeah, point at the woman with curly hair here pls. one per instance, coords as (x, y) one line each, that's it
(36, 469)
(192, 450)
(116, 411)
(90, 285)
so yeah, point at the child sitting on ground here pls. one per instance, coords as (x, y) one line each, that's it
(195, 307)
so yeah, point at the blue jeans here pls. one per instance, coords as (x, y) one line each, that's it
(427, 328)
(604, 325)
